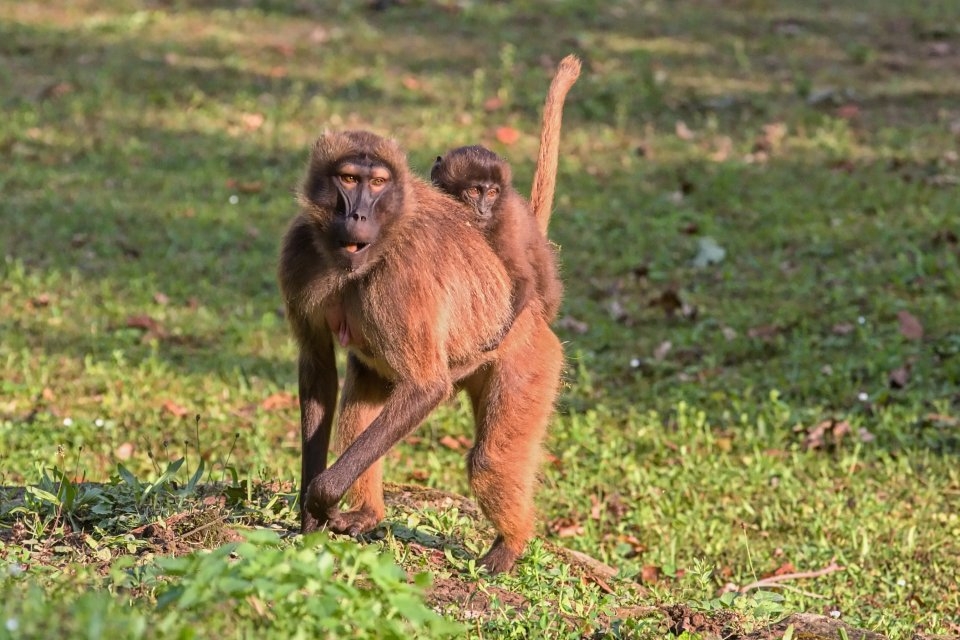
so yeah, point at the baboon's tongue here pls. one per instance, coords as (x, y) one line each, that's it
(343, 333)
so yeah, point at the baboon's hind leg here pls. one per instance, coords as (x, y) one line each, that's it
(512, 405)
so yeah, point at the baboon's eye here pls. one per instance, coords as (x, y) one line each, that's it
(492, 194)
(348, 179)
(473, 192)
(378, 182)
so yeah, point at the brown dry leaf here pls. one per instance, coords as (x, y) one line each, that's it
(566, 528)
(250, 187)
(899, 377)
(507, 135)
(56, 90)
(78, 240)
(910, 327)
(669, 300)
(141, 321)
(129, 249)
(279, 400)
(284, 49)
(662, 350)
(683, 131)
(843, 328)
(40, 300)
(764, 332)
(492, 103)
(465, 442)
(650, 574)
(595, 508)
(843, 166)
(149, 325)
(571, 324)
(785, 568)
(175, 409)
(616, 507)
(723, 146)
(942, 419)
(848, 111)
(450, 443)
(616, 311)
(124, 451)
(636, 547)
(826, 434)
(412, 83)
(258, 605)
(252, 121)
(945, 236)
(770, 138)
(419, 475)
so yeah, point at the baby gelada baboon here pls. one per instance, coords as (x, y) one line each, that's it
(483, 180)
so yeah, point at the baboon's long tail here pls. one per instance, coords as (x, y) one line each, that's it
(545, 176)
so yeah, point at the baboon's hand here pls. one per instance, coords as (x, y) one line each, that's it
(322, 499)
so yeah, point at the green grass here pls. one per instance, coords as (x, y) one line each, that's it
(150, 151)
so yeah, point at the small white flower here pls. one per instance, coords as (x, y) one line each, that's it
(901, 582)
(834, 614)
(15, 569)
(99, 422)
(634, 362)
(68, 422)
(861, 320)
(12, 624)
(862, 396)
(234, 199)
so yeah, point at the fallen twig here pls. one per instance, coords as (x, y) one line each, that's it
(799, 575)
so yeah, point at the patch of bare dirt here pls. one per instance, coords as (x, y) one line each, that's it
(718, 624)
(472, 602)
(415, 498)
(181, 533)
(809, 626)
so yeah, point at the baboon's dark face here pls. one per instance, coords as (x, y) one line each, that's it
(476, 176)
(482, 195)
(364, 198)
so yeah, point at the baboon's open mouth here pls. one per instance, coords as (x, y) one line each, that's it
(355, 247)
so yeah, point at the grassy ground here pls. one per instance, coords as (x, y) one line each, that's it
(757, 209)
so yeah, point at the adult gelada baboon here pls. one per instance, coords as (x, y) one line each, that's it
(385, 264)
